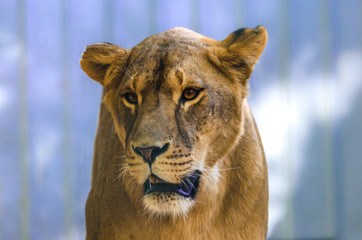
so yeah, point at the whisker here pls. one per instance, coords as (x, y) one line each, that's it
(198, 201)
(193, 186)
(126, 72)
(213, 154)
(229, 169)
(134, 68)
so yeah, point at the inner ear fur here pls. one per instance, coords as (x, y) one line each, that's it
(97, 58)
(238, 53)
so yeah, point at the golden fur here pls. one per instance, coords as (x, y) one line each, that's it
(144, 105)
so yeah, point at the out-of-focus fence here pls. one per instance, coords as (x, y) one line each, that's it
(306, 97)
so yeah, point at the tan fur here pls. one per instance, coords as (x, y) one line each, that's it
(214, 133)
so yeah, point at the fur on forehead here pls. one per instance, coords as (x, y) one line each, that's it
(235, 56)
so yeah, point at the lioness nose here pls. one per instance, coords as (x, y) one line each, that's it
(149, 154)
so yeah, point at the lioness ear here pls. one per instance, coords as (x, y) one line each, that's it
(241, 49)
(98, 57)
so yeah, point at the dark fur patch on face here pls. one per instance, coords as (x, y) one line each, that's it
(158, 74)
(183, 128)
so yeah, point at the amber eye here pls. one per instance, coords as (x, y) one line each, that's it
(131, 98)
(190, 94)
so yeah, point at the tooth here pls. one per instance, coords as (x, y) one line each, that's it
(151, 179)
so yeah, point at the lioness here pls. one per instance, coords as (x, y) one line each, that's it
(177, 153)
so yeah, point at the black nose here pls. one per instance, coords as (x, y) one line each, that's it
(149, 154)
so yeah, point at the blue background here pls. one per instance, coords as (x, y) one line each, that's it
(305, 95)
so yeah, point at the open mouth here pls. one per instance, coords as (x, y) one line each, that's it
(187, 188)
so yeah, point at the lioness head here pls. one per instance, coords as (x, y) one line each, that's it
(176, 100)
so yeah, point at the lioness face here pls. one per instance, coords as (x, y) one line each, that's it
(171, 97)
(171, 115)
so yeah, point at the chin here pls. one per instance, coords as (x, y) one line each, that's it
(167, 204)
(163, 199)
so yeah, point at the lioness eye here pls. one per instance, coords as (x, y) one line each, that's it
(131, 98)
(190, 93)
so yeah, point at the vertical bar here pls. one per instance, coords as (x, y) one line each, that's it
(284, 59)
(67, 141)
(195, 15)
(153, 16)
(284, 43)
(328, 126)
(23, 125)
(108, 20)
(240, 7)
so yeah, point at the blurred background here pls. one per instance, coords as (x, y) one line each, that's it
(305, 95)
